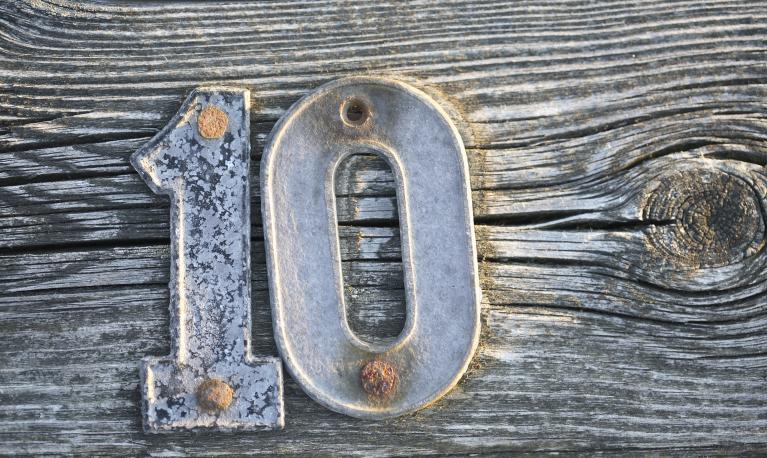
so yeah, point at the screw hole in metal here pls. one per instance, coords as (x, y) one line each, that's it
(354, 112)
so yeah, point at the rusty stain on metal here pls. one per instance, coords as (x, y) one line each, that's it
(207, 181)
(212, 122)
(214, 395)
(379, 378)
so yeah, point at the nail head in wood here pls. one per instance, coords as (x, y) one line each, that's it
(212, 122)
(214, 395)
(379, 379)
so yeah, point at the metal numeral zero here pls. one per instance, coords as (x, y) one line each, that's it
(418, 140)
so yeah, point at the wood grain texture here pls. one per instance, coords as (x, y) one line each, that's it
(617, 154)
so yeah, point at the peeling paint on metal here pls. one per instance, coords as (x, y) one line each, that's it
(207, 180)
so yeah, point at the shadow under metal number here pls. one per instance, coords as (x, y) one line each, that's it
(201, 160)
(414, 135)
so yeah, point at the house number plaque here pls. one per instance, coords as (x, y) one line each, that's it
(201, 160)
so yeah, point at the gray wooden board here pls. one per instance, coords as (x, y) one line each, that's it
(617, 154)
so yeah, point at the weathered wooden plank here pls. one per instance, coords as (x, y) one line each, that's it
(616, 154)
(687, 235)
(529, 347)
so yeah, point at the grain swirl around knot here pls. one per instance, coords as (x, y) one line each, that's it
(705, 218)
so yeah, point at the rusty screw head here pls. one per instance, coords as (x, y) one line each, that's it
(212, 122)
(379, 379)
(214, 395)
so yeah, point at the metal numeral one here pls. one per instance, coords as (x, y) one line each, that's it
(415, 136)
(210, 381)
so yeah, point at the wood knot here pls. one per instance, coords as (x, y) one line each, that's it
(212, 122)
(214, 395)
(379, 379)
(704, 218)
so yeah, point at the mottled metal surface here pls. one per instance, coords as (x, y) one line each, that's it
(415, 136)
(207, 181)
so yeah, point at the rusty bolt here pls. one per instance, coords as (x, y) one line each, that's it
(379, 379)
(214, 395)
(212, 122)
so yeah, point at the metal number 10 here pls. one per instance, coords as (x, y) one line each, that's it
(201, 159)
